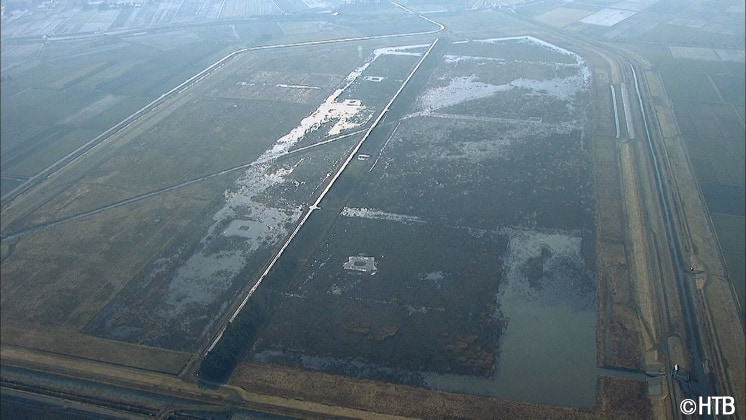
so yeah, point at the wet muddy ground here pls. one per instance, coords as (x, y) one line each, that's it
(478, 212)
(471, 206)
(178, 297)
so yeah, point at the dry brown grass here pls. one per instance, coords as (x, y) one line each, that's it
(386, 398)
(55, 280)
(623, 399)
(66, 342)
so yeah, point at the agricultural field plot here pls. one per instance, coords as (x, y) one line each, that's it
(720, 23)
(452, 260)
(189, 287)
(385, 21)
(607, 17)
(695, 25)
(562, 16)
(241, 8)
(180, 255)
(380, 22)
(291, 6)
(64, 19)
(58, 100)
(710, 118)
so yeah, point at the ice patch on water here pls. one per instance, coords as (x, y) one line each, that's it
(198, 281)
(380, 215)
(282, 85)
(434, 276)
(458, 90)
(462, 89)
(453, 59)
(412, 309)
(563, 88)
(528, 243)
(401, 50)
(548, 266)
(584, 70)
(205, 274)
(530, 40)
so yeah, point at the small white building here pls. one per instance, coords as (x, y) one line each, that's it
(361, 264)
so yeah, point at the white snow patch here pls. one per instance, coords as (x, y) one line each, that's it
(381, 215)
(607, 17)
(434, 276)
(282, 85)
(460, 89)
(561, 88)
(452, 59)
(401, 50)
(529, 39)
(411, 309)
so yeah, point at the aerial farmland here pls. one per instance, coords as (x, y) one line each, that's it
(338, 208)
(494, 234)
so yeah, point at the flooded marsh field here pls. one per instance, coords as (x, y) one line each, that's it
(475, 211)
(453, 250)
(148, 241)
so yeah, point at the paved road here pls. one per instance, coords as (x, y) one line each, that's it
(102, 397)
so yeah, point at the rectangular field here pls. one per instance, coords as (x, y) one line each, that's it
(133, 242)
(456, 240)
(707, 91)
